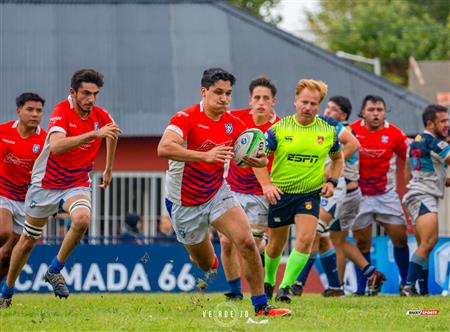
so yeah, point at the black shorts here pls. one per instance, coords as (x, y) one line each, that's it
(283, 213)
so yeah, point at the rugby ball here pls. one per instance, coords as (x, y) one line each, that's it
(249, 143)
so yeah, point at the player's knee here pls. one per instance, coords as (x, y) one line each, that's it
(5, 257)
(27, 244)
(363, 245)
(400, 241)
(337, 240)
(246, 244)
(227, 247)
(428, 244)
(80, 222)
(4, 237)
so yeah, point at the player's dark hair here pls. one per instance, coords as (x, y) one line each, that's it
(429, 114)
(28, 96)
(373, 99)
(344, 104)
(264, 82)
(86, 76)
(212, 75)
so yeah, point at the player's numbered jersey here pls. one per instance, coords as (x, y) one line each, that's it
(243, 179)
(195, 183)
(300, 152)
(17, 157)
(378, 156)
(69, 169)
(427, 156)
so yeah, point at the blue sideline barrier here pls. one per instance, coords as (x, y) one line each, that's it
(166, 268)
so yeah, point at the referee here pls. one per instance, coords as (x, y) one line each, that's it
(300, 143)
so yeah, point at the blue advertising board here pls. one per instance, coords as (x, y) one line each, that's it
(382, 256)
(167, 268)
(119, 268)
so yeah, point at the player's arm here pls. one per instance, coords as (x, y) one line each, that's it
(59, 143)
(111, 145)
(257, 162)
(171, 147)
(271, 192)
(407, 176)
(351, 144)
(334, 171)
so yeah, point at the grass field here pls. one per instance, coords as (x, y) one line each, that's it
(206, 312)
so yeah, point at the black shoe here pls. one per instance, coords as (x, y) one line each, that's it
(234, 296)
(358, 294)
(56, 280)
(297, 288)
(5, 303)
(333, 292)
(284, 295)
(375, 282)
(268, 289)
(409, 290)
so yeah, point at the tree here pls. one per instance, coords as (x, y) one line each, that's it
(389, 29)
(260, 8)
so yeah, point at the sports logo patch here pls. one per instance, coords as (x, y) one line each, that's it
(244, 140)
(96, 126)
(32, 204)
(442, 145)
(182, 234)
(228, 128)
(36, 148)
(320, 139)
(308, 205)
(323, 202)
(384, 139)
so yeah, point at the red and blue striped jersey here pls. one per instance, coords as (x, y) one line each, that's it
(17, 157)
(69, 169)
(195, 183)
(377, 157)
(243, 179)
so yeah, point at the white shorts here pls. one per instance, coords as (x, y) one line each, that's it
(191, 223)
(418, 204)
(17, 211)
(385, 208)
(333, 204)
(42, 203)
(347, 213)
(255, 207)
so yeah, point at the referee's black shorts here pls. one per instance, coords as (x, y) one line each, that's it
(283, 213)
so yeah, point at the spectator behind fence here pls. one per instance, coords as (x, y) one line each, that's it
(165, 229)
(132, 230)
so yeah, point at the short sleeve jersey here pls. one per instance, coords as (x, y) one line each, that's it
(377, 157)
(351, 166)
(300, 153)
(69, 169)
(195, 183)
(17, 157)
(243, 179)
(427, 156)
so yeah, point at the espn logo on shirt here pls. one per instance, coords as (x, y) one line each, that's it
(422, 312)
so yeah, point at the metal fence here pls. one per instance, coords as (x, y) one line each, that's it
(141, 193)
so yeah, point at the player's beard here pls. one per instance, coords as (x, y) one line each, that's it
(84, 110)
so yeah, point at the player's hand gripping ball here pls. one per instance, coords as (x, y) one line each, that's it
(249, 144)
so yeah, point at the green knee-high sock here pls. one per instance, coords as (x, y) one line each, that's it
(271, 266)
(294, 266)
